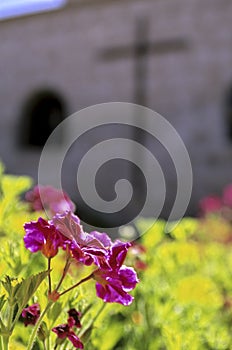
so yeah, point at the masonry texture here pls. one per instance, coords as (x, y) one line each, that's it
(62, 51)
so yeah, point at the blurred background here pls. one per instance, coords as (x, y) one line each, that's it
(172, 56)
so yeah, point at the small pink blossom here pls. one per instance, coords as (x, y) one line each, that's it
(31, 314)
(49, 198)
(64, 331)
(227, 196)
(210, 204)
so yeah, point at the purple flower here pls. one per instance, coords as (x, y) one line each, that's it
(103, 238)
(85, 247)
(118, 254)
(75, 340)
(114, 282)
(63, 331)
(74, 318)
(43, 236)
(210, 204)
(31, 314)
(227, 196)
(56, 201)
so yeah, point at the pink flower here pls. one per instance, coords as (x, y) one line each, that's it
(53, 200)
(227, 196)
(31, 314)
(115, 281)
(64, 331)
(42, 236)
(210, 204)
(74, 318)
(85, 247)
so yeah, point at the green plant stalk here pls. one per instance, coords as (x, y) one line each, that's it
(48, 343)
(77, 284)
(10, 317)
(36, 328)
(6, 337)
(90, 325)
(66, 268)
(1, 343)
(38, 324)
(5, 342)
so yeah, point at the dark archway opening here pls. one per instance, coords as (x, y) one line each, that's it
(42, 113)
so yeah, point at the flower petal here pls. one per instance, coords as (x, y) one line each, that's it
(61, 331)
(128, 278)
(75, 340)
(118, 254)
(103, 238)
(74, 318)
(54, 200)
(113, 294)
(41, 235)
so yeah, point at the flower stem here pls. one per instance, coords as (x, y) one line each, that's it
(48, 343)
(6, 337)
(1, 343)
(5, 341)
(35, 330)
(66, 267)
(77, 284)
(49, 276)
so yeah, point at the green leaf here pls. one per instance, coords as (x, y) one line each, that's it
(2, 326)
(85, 336)
(2, 301)
(7, 285)
(11, 285)
(26, 289)
(55, 312)
(43, 332)
(19, 293)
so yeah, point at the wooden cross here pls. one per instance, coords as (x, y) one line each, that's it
(140, 51)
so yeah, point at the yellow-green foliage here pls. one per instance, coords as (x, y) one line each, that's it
(184, 299)
(17, 262)
(14, 212)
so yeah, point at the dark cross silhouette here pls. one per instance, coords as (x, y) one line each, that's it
(140, 51)
(228, 112)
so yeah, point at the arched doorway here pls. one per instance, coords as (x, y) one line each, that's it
(42, 112)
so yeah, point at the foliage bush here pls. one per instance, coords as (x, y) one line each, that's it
(183, 300)
(24, 275)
